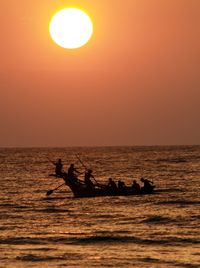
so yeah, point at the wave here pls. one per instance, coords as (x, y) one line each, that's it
(36, 258)
(156, 220)
(8, 205)
(170, 160)
(96, 239)
(161, 262)
(178, 202)
(52, 210)
(135, 240)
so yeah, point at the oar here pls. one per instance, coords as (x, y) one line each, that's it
(87, 168)
(51, 191)
(81, 162)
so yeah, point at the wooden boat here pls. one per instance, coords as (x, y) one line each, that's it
(80, 189)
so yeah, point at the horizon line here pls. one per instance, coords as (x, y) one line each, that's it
(96, 146)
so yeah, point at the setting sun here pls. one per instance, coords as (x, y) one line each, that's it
(71, 28)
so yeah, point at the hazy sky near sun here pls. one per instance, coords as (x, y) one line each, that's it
(137, 82)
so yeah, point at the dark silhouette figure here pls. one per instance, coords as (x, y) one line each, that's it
(87, 179)
(121, 185)
(148, 186)
(112, 186)
(136, 187)
(58, 167)
(72, 173)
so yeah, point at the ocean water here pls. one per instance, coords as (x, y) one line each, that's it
(158, 230)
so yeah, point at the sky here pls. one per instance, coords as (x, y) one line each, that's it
(136, 82)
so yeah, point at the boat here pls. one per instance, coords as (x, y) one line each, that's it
(80, 189)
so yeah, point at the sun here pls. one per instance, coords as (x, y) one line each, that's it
(71, 28)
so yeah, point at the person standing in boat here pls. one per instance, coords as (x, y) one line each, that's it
(87, 179)
(58, 167)
(73, 172)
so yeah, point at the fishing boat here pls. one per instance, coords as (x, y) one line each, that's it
(80, 189)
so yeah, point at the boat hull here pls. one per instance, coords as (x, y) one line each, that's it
(80, 190)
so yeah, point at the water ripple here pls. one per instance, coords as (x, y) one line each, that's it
(98, 239)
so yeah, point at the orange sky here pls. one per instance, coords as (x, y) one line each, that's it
(137, 82)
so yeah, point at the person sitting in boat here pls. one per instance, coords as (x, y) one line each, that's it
(87, 179)
(112, 185)
(148, 186)
(135, 187)
(58, 167)
(121, 186)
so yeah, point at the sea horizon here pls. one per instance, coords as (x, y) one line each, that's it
(97, 146)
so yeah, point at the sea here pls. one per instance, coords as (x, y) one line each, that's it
(156, 230)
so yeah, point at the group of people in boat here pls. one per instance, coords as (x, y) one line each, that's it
(148, 186)
(72, 173)
(72, 176)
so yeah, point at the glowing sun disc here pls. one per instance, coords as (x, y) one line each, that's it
(71, 28)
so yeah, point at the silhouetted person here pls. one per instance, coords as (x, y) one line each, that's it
(121, 185)
(72, 173)
(136, 187)
(148, 185)
(112, 185)
(87, 178)
(58, 167)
